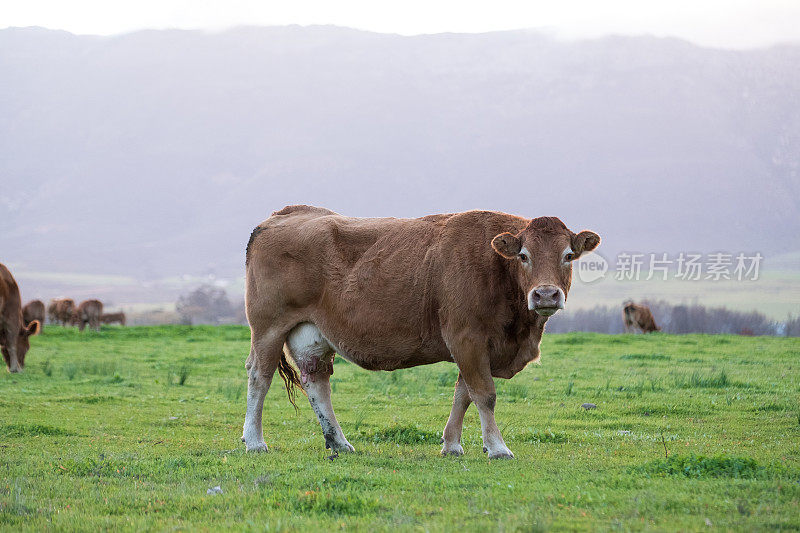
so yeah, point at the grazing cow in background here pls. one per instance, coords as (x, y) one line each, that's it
(60, 310)
(14, 332)
(34, 310)
(88, 312)
(473, 288)
(638, 316)
(110, 318)
(52, 311)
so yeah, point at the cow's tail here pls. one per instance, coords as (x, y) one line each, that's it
(290, 378)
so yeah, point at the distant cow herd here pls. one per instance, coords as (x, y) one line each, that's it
(63, 311)
(18, 322)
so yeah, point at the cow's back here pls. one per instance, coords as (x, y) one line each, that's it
(91, 309)
(33, 310)
(352, 277)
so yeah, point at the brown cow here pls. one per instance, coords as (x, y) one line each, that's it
(638, 316)
(473, 288)
(34, 310)
(88, 312)
(110, 318)
(60, 310)
(14, 332)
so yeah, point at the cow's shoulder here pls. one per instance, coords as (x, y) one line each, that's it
(474, 230)
(487, 219)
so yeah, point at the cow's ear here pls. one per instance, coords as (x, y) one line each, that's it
(585, 241)
(32, 329)
(507, 245)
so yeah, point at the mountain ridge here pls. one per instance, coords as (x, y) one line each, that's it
(154, 153)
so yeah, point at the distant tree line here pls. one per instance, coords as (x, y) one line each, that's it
(209, 305)
(682, 318)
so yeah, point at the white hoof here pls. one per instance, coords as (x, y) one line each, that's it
(345, 447)
(452, 449)
(256, 447)
(340, 446)
(501, 453)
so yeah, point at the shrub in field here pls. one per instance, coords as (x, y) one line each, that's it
(698, 466)
(179, 376)
(701, 380)
(646, 357)
(544, 437)
(183, 374)
(32, 430)
(405, 435)
(70, 370)
(336, 504)
(94, 467)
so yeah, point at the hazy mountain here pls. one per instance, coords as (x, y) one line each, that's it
(154, 153)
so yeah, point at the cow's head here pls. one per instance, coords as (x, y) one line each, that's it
(543, 254)
(23, 344)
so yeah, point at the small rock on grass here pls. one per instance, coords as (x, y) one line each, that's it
(214, 490)
(588, 406)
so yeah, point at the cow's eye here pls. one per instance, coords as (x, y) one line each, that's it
(569, 257)
(523, 258)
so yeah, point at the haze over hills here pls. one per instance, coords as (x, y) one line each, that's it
(153, 154)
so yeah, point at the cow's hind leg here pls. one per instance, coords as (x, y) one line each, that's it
(265, 355)
(451, 437)
(314, 356)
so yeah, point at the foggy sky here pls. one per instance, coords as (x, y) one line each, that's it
(714, 23)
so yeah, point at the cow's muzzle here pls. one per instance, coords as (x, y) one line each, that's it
(546, 299)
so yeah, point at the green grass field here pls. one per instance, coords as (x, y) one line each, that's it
(129, 428)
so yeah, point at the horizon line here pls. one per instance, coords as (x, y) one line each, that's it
(544, 31)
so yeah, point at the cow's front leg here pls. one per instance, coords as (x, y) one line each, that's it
(478, 377)
(10, 354)
(451, 437)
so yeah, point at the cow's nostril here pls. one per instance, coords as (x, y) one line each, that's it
(545, 293)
